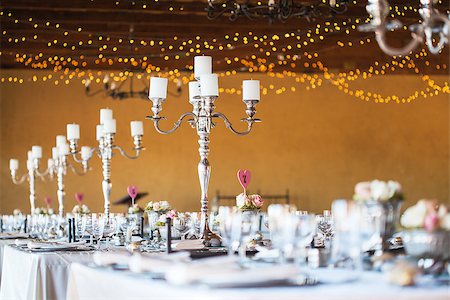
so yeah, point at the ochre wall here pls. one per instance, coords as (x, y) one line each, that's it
(315, 143)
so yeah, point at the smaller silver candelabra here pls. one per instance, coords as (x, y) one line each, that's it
(34, 157)
(58, 165)
(105, 136)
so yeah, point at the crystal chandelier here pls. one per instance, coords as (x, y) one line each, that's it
(273, 10)
(434, 26)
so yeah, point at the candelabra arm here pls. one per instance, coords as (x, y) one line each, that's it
(76, 159)
(42, 175)
(177, 124)
(444, 35)
(124, 154)
(21, 180)
(228, 124)
(74, 170)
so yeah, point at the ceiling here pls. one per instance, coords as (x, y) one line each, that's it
(88, 34)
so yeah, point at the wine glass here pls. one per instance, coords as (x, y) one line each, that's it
(109, 228)
(226, 214)
(97, 224)
(304, 229)
(280, 228)
(80, 224)
(246, 224)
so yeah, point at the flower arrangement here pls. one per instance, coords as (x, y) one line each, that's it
(43, 211)
(378, 190)
(249, 202)
(160, 207)
(17, 212)
(80, 209)
(135, 209)
(162, 218)
(426, 214)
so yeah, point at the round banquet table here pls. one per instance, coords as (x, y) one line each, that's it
(101, 283)
(37, 276)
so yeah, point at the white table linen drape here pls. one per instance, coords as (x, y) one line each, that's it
(37, 276)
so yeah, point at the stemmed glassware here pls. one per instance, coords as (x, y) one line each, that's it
(109, 228)
(226, 216)
(97, 226)
(325, 227)
(80, 224)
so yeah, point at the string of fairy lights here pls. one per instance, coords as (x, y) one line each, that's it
(264, 54)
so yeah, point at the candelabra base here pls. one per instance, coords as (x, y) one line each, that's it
(210, 238)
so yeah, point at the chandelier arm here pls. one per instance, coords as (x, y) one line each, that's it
(443, 35)
(380, 36)
(176, 125)
(124, 154)
(230, 126)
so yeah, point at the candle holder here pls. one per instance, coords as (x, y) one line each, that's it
(202, 119)
(33, 172)
(104, 150)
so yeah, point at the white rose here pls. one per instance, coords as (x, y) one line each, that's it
(164, 204)
(380, 190)
(241, 199)
(37, 211)
(156, 206)
(17, 212)
(84, 209)
(414, 216)
(445, 222)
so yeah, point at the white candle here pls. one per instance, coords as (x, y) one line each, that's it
(50, 163)
(55, 153)
(137, 128)
(36, 152)
(85, 152)
(73, 131)
(250, 90)
(63, 149)
(209, 85)
(29, 155)
(202, 65)
(105, 114)
(109, 126)
(13, 164)
(194, 91)
(158, 88)
(60, 140)
(99, 132)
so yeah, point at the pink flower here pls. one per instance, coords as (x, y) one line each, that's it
(257, 200)
(171, 214)
(431, 222)
(79, 197)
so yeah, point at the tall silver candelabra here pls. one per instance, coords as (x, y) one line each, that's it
(104, 150)
(202, 117)
(33, 172)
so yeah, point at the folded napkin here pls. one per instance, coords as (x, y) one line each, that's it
(7, 236)
(225, 272)
(190, 245)
(157, 263)
(119, 257)
(53, 245)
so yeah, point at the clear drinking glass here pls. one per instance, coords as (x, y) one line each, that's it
(109, 228)
(247, 222)
(226, 222)
(80, 225)
(97, 223)
(304, 230)
(280, 228)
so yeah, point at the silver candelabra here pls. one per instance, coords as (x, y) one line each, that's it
(34, 157)
(203, 94)
(58, 165)
(106, 146)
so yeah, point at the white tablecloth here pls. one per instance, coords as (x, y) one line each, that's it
(89, 283)
(36, 276)
(3, 243)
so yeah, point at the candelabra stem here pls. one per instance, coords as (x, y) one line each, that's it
(61, 191)
(204, 125)
(106, 183)
(31, 179)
